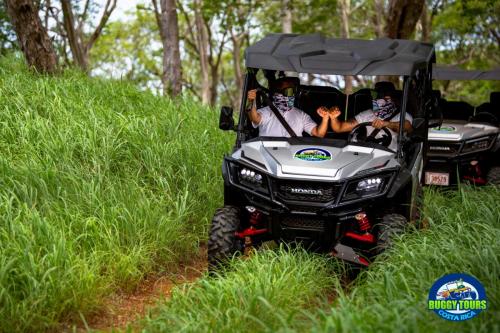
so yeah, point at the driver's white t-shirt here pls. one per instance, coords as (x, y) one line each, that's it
(298, 120)
(369, 116)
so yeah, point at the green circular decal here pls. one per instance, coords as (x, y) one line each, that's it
(313, 155)
(444, 129)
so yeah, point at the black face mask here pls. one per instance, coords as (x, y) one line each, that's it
(283, 103)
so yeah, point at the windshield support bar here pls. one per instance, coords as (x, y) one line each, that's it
(402, 116)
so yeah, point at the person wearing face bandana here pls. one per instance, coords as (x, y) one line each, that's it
(384, 113)
(283, 99)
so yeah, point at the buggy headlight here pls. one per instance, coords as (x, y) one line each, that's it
(250, 176)
(369, 185)
(251, 179)
(476, 145)
(366, 187)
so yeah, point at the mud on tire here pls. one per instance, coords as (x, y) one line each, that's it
(222, 241)
(391, 226)
(493, 176)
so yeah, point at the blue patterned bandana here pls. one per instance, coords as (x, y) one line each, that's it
(384, 108)
(283, 103)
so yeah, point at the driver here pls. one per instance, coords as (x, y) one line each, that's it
(384, 113)
(284, 90)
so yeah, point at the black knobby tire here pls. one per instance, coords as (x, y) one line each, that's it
(418, 205)
(493, 176)
(222, 241)
(391, 226)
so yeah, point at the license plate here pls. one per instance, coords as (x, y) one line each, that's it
(437, 178)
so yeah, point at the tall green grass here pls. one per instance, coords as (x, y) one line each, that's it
(100, 184)
(390, 296)
(265, 293)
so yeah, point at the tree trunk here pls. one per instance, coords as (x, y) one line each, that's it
(213, 84)
(426, 22)
(172, 74)
(31, 35)
(75, 43)
(402, 18)
(238, 72)
(379, 14)
(79, 45)
(202, 41)
(345, 10)
(286, 16)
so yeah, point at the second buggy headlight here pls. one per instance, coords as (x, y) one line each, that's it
(250, 178)
(366, 187)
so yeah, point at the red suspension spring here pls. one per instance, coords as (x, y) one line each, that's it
(363, 222)
(255, 218)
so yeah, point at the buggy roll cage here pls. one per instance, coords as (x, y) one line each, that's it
(448, 73)
(314, 53)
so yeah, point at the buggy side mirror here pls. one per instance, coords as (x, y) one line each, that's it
(419, 133)
(435, 113)
(435, 122)
(226, 120)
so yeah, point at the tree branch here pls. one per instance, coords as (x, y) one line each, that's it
(190, 42)
(108, 9)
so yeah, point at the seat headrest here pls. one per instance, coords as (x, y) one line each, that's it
(384, 88)
(495, 98)
(436, 93)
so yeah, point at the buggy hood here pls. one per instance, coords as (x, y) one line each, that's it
(460, 130)
(299, 160)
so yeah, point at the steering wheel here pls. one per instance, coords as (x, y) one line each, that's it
(359, 133)
(485, 117)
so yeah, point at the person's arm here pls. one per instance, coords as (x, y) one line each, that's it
(254, 116)
(320, 131)
(339, 126)
(392, 125)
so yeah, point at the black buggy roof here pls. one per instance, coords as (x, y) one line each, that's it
(317, 54)
(440, 72)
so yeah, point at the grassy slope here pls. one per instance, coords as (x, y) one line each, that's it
(391, 296)
(99, 185)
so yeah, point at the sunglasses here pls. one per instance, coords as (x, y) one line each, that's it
(288, 92)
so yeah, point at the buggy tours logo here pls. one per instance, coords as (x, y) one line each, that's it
(457, 297)
(313, 154)
(444, 129)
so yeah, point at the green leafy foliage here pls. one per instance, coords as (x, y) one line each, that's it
(100, 184)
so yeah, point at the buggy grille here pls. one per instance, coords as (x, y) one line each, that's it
(307, 191)
(305, 223)
(443, 148)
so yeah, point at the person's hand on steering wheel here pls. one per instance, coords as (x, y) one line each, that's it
(379, 123)
(359, 134)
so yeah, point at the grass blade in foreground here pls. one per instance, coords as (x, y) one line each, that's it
(264, 293)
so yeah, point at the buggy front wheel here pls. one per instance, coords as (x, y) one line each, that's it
(222, 240)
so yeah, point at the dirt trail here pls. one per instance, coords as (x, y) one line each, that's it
(122, 309)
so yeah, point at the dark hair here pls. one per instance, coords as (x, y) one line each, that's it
(277, 83)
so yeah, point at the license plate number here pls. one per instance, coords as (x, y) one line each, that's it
(437, 178)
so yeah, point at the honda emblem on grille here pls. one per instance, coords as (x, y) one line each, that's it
(305, 191)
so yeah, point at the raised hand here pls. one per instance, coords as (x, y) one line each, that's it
(252, 94)
(323, 112)
(334, 112)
